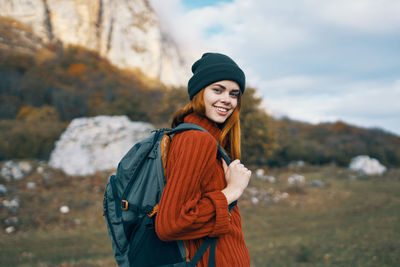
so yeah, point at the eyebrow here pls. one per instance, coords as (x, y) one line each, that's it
(223, 87)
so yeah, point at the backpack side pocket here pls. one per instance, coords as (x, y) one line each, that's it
(114, 221)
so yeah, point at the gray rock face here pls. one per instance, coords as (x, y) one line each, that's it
(96, 144)
(127, 32)
(367, 165)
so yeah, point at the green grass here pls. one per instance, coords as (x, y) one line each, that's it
(348, 223)
(351, 221)
(39, 248)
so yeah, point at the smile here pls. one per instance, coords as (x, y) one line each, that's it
(221, 109)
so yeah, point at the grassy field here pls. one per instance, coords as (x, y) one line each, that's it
(350, 221)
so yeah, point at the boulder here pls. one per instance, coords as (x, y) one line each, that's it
(96, 144)
(366, 165)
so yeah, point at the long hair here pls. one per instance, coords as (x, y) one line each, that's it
(230, 130)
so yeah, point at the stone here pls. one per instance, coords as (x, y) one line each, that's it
(64, 209)
(31, 185)
(317, 183)
(252, 190)
(3, 190)
(260, 175)
(259, 195)
(298, 163)
(10, 229)
(254, 200)
(11, 205)
(12, 170)
(40, 169)
(25, 166)
(366, 165)
(11, 221)
(89, 145)
(296, 179)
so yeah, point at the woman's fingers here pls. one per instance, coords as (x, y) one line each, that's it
(236, 167)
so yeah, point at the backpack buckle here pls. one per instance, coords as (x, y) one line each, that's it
(153, 212)
(124, 205)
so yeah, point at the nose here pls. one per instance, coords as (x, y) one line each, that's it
(225, 98)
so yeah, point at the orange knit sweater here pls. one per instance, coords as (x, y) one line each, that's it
(192, 205)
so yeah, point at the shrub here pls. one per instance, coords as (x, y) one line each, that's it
(28, 139)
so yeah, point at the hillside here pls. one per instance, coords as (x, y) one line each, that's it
(333, 142)
(43, 91)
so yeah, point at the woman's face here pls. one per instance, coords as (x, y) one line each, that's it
(220, 99)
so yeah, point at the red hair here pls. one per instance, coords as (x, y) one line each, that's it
(230, 129)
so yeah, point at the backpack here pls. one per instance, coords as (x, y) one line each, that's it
(131, 200)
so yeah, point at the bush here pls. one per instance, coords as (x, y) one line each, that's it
(28, 139)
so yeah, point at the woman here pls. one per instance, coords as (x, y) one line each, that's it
(200, 185)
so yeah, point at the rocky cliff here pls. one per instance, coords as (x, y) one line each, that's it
(127, 32)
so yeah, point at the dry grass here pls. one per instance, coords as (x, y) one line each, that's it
(351, 221)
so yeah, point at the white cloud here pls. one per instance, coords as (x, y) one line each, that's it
(364, 103)
(377, 16)
(310, 59)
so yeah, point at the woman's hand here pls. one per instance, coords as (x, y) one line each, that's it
(237, 178)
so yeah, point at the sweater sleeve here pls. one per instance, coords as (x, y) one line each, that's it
(185, 212)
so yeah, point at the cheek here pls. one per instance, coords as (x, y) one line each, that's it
(234, 103)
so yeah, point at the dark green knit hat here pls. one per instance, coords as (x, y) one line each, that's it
(213, 67)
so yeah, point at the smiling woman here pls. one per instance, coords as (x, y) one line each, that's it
(200, 185)
(220, 100)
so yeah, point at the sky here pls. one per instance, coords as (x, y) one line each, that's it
(310, 60)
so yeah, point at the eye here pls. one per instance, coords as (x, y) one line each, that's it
(235, 94)
(217, 90)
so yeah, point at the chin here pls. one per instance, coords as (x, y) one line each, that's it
(219, 120)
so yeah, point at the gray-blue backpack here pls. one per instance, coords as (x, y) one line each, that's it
(131, 201)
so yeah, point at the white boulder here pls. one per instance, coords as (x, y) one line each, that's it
(367, 165)
(96, 144)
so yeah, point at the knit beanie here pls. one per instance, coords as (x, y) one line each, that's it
(213, 67)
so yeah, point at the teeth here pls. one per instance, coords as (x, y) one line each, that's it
(222, 109)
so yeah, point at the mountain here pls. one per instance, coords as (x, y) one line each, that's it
(126, 32)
